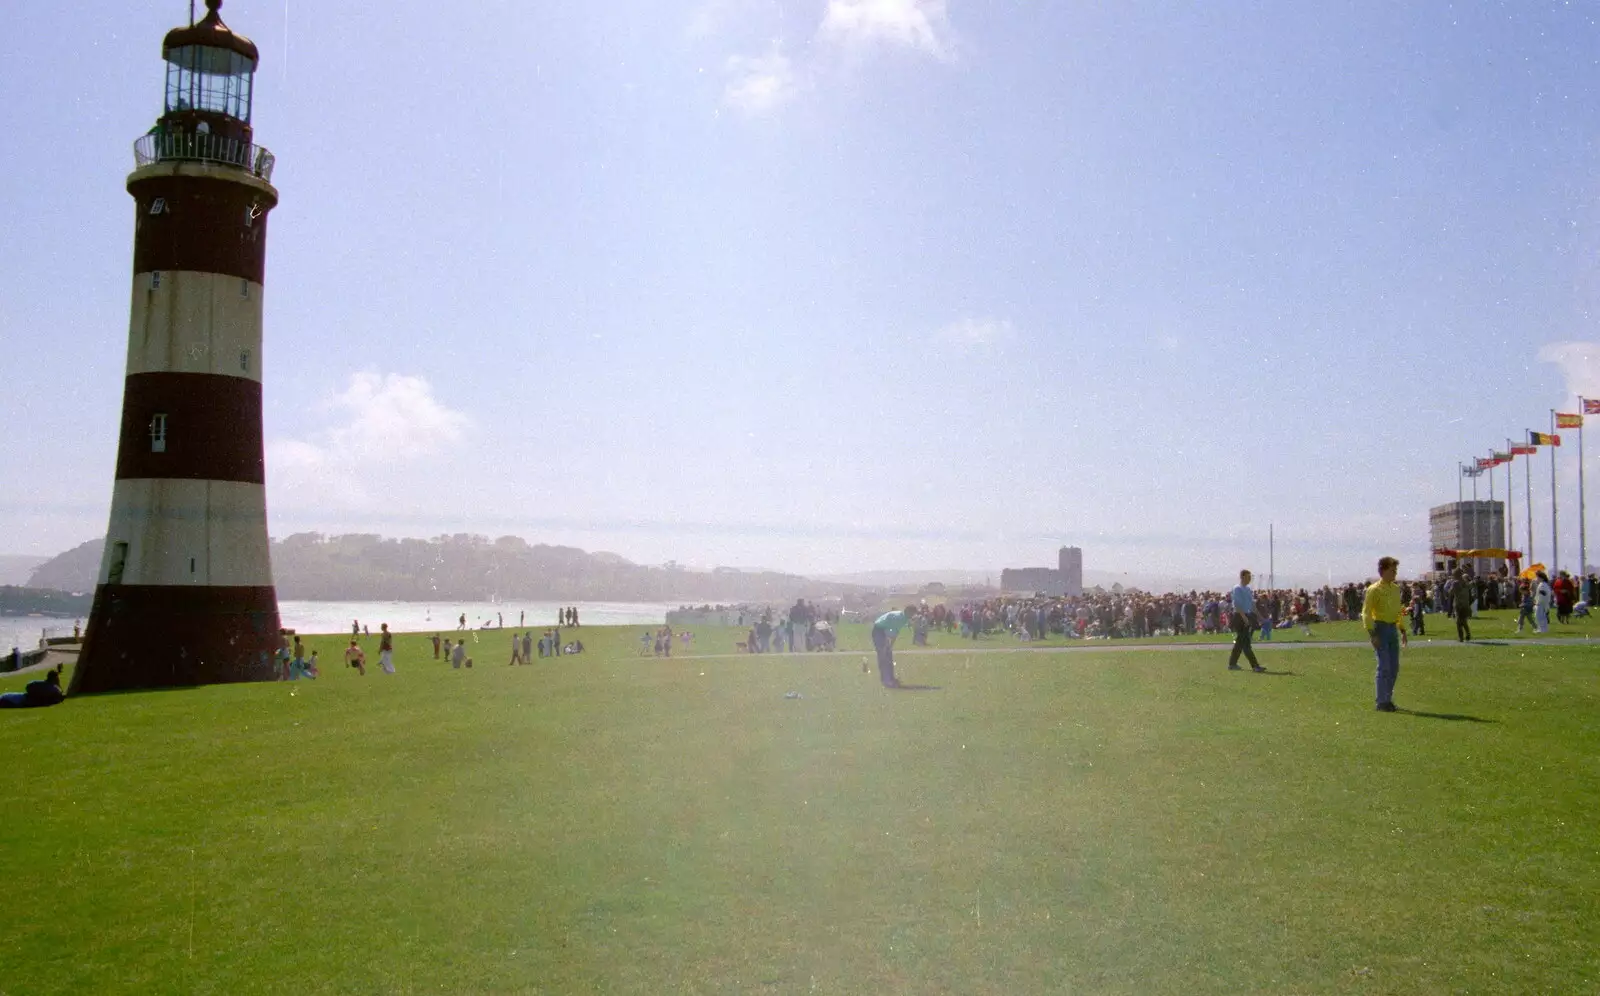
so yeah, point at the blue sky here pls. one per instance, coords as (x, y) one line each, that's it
(831, 285)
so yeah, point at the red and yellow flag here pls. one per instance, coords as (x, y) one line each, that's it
(1568, 421)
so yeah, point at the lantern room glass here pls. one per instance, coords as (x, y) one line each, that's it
(202, 78)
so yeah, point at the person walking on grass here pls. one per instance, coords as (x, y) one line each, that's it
(1525, 606)
(884, 631)
(1419, 608)
(1243, 621)
(386, 649)
(1541, 603)
(1461, 599)
(1380, 614)
(356, 657)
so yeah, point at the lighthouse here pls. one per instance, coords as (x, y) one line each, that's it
(185, 595)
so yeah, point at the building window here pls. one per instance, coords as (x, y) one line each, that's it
(158, 433)
(158, 206)
(155, 279)
(244, 289)
(244, 360)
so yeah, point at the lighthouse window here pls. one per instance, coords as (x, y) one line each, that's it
(244, 360)
(158, 206)
(244, 289)
(158, 433)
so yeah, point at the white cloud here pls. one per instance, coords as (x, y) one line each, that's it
(1580, 362)
(923, 25)
(378, 421)
(976, 333)
(760, 84)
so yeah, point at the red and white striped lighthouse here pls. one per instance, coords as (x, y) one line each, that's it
(185, 592)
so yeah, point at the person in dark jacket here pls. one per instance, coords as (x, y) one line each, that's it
(36, 694)
(1461, 599)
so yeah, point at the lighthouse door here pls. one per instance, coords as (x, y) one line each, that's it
(119, 562)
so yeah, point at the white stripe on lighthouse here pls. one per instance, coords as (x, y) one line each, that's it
(187, 322)
(181, 532)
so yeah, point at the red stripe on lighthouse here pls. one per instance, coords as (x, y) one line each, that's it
(212, 429)
(190, 222)
(148, 636)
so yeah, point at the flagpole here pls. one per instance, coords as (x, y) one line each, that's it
(1472, 540)
(1555, 534)
(1583, 523)
(1527, 501)
(1510, 520)
(1491, 499)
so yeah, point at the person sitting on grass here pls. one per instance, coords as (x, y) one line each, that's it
(357, 658)
(36, 694)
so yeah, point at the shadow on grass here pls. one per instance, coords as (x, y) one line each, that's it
(143, 691)
(914, 688)
(1281, 674)
(1453, 717)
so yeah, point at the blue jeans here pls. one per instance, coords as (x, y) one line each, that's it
(884, 645)
(1386, 640)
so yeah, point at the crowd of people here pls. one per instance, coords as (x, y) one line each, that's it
(1135, 614)
(803, 626)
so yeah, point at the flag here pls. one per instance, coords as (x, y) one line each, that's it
(1591, 407)
(1500, 458)
(1568, 421)
(1482, 463)
(1471, 471)
(1524, 450)
(1543, 439)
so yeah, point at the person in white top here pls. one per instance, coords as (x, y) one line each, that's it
(1541, 603)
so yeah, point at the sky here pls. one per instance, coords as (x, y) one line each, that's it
(842, 285)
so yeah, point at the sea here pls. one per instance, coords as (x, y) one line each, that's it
(402, 617)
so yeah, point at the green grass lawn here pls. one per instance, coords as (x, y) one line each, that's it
(1117, 822)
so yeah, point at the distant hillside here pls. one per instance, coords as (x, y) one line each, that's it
(471, 568)
(75, 570)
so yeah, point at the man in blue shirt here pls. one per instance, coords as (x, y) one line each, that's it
(884, 632)
(1243, 621)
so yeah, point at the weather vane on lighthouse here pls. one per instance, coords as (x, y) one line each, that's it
(185, 593)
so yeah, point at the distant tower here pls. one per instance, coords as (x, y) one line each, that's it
(185, 592)
(1070, 561)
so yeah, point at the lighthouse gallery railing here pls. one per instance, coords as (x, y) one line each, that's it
(155, 148)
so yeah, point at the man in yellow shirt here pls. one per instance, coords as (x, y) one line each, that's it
(1381, 611)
